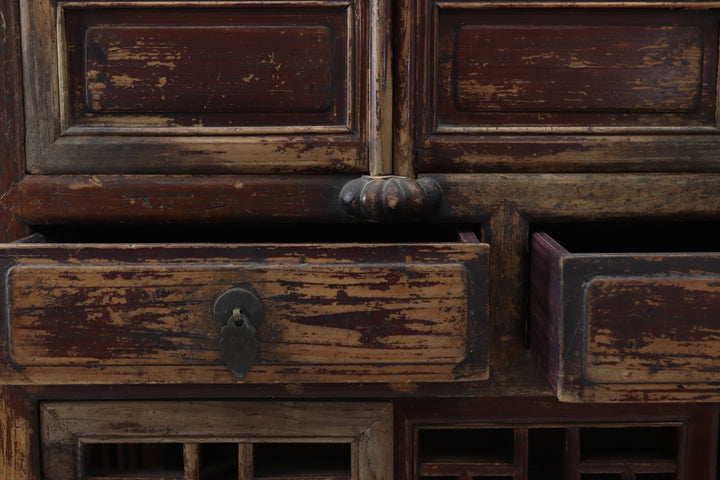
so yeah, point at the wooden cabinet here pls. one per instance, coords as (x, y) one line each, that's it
(246, 211)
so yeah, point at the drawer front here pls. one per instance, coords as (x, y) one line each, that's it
(626, 327)
(241, 87)
(361, 314)
(496, 76)
(652, 329)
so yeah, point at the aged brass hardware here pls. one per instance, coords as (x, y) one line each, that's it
(240, 313)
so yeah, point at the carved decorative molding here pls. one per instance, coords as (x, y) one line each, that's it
(391, 197)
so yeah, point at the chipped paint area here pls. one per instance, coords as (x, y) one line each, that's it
(653, 329)
(573, 68)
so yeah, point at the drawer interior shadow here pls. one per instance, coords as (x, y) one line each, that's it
(255, 233)
(635, 237)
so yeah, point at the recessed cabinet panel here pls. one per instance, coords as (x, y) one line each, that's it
(626, 326)
(235, 87)
(210, 69)
(664, 329)
(615, 87)
(574, 68)
(372, 313)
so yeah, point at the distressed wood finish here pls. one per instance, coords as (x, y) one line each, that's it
(366, 427)
(525, 452)
(12, 149)
(465, 198)
(18, 426)
(268, 59)
(621, 327)
(236, 87)
(497, 81)
(373, 313)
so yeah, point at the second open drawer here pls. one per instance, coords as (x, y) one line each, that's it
(631, 326)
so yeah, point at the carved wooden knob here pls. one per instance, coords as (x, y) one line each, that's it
(391, 197)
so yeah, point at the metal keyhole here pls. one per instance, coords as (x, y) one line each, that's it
(239, 313)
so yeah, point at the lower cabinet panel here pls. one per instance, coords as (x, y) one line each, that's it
(216, 440)
(541, 439)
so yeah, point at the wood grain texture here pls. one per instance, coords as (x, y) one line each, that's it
(580, 152)
(365, 426)
(12, 132)
(380, 112)
(221, 66)
(191, 460)
(18, 433)
(643, 329)
(130, 88)
(626, 327)
(214, 69)
(545, 304)
(328, 313)
(176, 199)
(466, 197)
(509, 90)
(593, 68)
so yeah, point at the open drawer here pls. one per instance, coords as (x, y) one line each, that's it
(626, 326)
(161, 313)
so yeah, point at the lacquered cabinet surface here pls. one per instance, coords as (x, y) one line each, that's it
(315, 154)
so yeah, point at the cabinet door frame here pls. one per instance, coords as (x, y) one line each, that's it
(66, 426)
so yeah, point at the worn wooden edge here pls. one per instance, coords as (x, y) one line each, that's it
(587, 197)
(317, 154)
(471, 256)
(12, 131)
(702, 5)
(40, 72)
(62, 199)
(601, 153)
(207, 254)
(404, 376)
(157, 419)
(70, 424)
(531, 409)
(176, 199)
(405, 34)
(380, 111)
(545, 323)
(18, 434)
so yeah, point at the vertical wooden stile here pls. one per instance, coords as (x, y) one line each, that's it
(572, 453)
(521, 453)
(380, 111)
(191, 457)
(245, 461)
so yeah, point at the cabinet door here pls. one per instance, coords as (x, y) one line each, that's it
(212, 440)
(196, 87)
(552, 88)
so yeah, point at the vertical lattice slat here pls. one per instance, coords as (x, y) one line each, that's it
(521, 453)
(191, 457)
(245, 461)
(572, 453)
